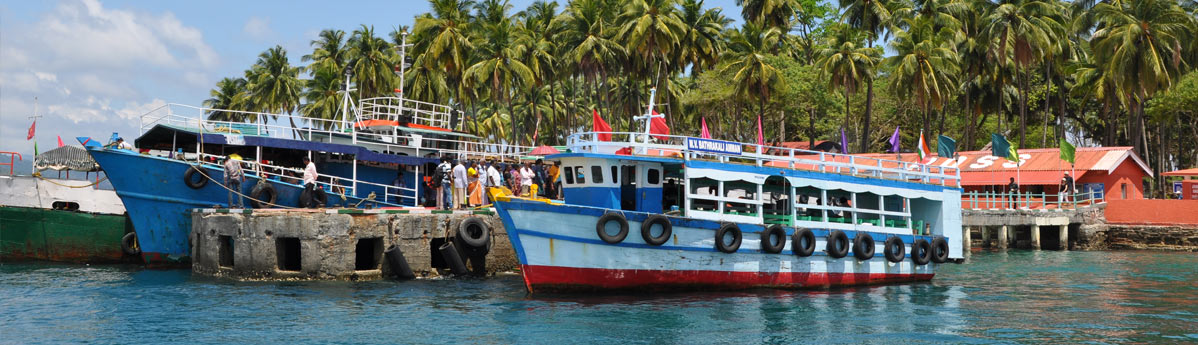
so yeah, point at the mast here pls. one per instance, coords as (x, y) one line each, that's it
(648, 118)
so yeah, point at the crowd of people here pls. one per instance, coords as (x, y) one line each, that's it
(459, 184)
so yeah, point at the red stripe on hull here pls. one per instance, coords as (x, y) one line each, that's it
(555, 278)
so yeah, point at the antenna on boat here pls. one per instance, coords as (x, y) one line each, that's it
(648, 117)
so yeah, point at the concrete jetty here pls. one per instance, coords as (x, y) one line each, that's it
(337, 244)
(1030, 228)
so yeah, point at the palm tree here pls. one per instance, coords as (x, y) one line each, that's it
(372, 61)
(228, 98)
(328, 52)
(275, 85)
(847, 64)
(323, 98)
(925, 66)
(536, 47)
(1025, 31)
(702, 41)
(499, 65)
(586, 35)
(443, 36)
(752, 76)
(651, 31)
(871, 17)
(1142, 42)
(769, 13)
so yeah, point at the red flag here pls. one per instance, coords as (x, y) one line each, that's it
(59, 141)
(704, 133)
(598, 125)
(760, 136)
(657, 125)
(31, 128)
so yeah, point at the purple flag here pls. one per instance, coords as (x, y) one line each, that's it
(844, 143)
(894, 141)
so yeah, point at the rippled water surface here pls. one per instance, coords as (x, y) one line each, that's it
(1014, 297)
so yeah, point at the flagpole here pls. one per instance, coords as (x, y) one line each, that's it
(33, 164)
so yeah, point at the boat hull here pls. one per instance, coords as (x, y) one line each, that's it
(559, 251)
(159, 202)
(62, 236)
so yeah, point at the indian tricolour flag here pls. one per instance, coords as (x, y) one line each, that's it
(923, 147)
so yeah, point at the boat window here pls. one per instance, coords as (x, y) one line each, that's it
(65, 205)
(743, 190)
(614, 173)
(654, 176)
(580, 175)
(569, 175)
(597, 174)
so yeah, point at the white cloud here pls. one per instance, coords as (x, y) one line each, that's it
(133, 110)
(46, 76)
(257, 28)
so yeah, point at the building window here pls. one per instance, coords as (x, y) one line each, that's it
(569, 175)
(1123, 190)
(597, 174)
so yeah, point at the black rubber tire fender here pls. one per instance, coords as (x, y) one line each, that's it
(921, 252)
(265, 192)
(863, 246)
(189, 178)
(601, 228)
(475, 233)
(736, 238)
(894, 249)
(802, 242)
(667, 230)
(768, 236)
(939, 250)
(129, 244)
(838, 244)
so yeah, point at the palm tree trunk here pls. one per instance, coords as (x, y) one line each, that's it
(972, 116)
(869, 106)
(811, 128)
(1047, 113)
(1022, 109)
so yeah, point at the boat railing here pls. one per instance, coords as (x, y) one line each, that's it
(982, 200)
(335, 185)
(765, 155)
(13, 157)
(411, 111)
(200, 118)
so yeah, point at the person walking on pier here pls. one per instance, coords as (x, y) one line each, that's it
(233, 177)
(443, 178)
(309, 178)
(1066, 188)
(1012, 192)
(459, 185)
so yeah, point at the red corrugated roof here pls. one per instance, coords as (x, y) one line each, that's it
(1049, 159)
(1183, 172)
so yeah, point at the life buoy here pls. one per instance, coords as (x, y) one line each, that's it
(667, 230)
(803, 242)
(921, 252)
(939, 250)
(863, 246)
(894, 249)
(724, 230)
(129, 244)
(601, 228)
(773, 239)
(838, 244)
(266, 193)
(474, 233)
(189, 178)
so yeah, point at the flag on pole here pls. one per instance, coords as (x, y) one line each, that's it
(922, 148)
(895, 141)
(31, 130)
(946, 147)
(999, 147)
(703, 133)
(657, 125)
(598, 125)
(1013, 154)
(760, 135)
(1068, 151)
(59, 141)
(844, 142)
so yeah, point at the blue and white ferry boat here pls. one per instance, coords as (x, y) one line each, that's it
(675, 213)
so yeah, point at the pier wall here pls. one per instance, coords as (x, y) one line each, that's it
(1153, 212)
(332, 244)
(1136, 224)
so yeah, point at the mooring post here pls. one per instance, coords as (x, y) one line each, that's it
(985, 236)
(1002, 237)
(1064, 245)
(966, 242)
(1035, 237)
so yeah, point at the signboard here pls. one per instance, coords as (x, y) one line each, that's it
(714, 146)
(1177, 187)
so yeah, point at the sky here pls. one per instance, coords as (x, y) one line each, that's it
(96, 67)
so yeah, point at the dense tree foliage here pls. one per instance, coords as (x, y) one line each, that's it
(1095, 72)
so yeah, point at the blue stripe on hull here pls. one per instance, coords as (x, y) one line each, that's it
(159, 203)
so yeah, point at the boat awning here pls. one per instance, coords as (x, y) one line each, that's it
(164, 137)
(66, 158)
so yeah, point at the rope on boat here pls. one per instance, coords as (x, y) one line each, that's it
(199, 168)
(39, 175)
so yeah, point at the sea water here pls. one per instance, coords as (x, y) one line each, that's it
(994, 297)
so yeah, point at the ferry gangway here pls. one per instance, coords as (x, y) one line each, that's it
(1031, 201)
(333, 185)
(322, 130)
(765, 155)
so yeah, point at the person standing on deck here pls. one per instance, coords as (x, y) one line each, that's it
(398, 183)
(1012, 191)
(554, 172)
(459, 185)
(233, 177)
(483, 180)
(1067, 187)
(444, 197)
(494, 178)
(309, 177)
(539, 178)
(526, 176)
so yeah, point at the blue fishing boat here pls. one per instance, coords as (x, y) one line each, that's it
(659, 212)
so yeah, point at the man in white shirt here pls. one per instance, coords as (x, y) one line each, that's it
(526, 175)
(459, 185)
(443, 191)
(494, 178)
(483, 181)
(309, 177)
